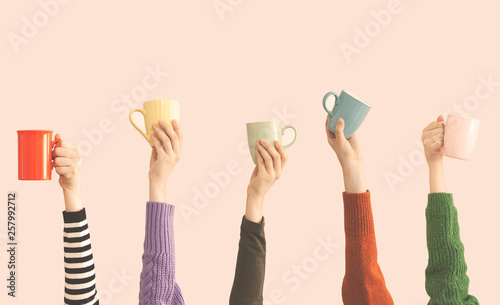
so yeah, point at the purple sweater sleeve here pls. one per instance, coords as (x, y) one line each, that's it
(157, 283)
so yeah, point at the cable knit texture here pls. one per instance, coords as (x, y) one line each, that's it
(157, 283)
(364, 282)
(446, 281)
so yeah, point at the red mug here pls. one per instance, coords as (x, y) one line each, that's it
(34, 152)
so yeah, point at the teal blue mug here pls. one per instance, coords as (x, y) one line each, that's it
(351, 109)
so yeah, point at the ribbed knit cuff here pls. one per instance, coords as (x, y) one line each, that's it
(358, 217)
(252, 227)
(71, 217)
(159, 227)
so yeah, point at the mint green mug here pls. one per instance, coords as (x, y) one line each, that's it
(270, 131)
(349, 108)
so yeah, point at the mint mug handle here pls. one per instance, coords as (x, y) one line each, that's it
(326, 98)
(294, 138)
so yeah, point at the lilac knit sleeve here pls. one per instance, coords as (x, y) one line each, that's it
(157, 283)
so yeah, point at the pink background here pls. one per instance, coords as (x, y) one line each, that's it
(256, 62)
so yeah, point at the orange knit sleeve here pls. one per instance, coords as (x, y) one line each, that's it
(364, 282)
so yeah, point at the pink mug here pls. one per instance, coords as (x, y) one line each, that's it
(460, 136)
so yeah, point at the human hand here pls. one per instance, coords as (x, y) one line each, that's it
(433, 141)
(270, 164)
(165, 154)
(348, 152)
(68, 162)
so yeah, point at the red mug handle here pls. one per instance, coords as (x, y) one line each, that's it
(53, 144)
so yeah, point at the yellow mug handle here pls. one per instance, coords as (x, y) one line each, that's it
(146, 136)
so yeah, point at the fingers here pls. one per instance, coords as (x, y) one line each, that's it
(164, 139)
(440, 118)
(173, 137)
(260, 161)
(283, 154)
(178, 131)
(268, 160)
(158, 148)
(339, 130)
(66, 152)
(63, 162)
(434, 125)
(275, 155)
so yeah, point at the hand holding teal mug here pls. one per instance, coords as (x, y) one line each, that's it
(270, 131)
(351, 109)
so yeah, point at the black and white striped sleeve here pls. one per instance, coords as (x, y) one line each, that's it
(80, 284)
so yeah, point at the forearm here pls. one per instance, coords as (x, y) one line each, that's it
(446, 280)
(250, 266)
(363, 282)
(253, 209)
(72, 201)
(354, 178)
(157, 192)
(80, 282)
(157, 282)
(436, 178)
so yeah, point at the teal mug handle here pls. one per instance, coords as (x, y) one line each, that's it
(326, 98)
(294, 138)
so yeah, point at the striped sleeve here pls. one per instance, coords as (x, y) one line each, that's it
(80, 285)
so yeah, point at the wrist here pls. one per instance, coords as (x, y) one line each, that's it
(157, 192)
(253, 210)
(354, 179)
(72, 200)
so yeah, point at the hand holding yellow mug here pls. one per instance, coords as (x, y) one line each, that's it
(153, 112)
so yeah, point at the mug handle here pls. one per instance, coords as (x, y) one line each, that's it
(147, 137)
(326, 98)
(294, 138)
(53, 144)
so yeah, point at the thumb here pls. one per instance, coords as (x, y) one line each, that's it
(339, 129)
(440, 118)
(58, 138)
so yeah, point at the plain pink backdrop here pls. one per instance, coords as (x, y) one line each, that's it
(263, 60)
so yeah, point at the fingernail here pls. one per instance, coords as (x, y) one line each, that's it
(154, 126)
(278, 143)
(263, 141)
(257, 142)
(163, 122)
(174, 121)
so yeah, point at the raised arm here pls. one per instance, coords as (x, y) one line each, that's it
(363, 282)
(80, 280)
(157, 283)
(446, 281)
(250, 265)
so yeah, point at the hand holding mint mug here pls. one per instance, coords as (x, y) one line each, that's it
(270, 131)
(154, 111)
(349, 108)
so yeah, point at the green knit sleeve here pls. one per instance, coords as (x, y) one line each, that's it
(446, 281)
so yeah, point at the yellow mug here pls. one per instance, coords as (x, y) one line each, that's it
(153, 112)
